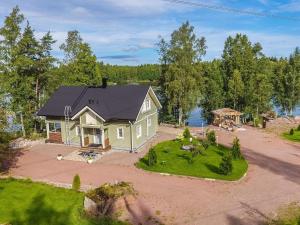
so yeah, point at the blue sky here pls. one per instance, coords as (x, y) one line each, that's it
(125, 31)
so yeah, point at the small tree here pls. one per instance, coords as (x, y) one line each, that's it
(76, 183)
(186, 133)
(226, 164)
(197, 150)
(298, 128)
(236, 149)
(292, 131)
(152, 157)
(205, 144)
(211, 137)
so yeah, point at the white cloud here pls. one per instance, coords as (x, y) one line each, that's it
(293, 6)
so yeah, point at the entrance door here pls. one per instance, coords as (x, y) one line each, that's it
(97, 136)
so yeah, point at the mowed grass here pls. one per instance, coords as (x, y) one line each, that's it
(172, 159)
(27, 203)
(295, 137)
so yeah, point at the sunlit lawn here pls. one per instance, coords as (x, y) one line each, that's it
(172, 159)
(29, 203)
(295, 137)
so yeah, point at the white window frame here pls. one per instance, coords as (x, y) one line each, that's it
(77, 130)
(149, 122)
(55, 128)
(138, 131)
(148, 104)
(118, 134)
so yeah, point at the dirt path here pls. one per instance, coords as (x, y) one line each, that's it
(273, 179)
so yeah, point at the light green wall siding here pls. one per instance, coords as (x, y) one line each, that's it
(130, 136)
(113, 138)
(74, 139)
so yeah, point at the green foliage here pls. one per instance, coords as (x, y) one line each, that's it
(298, 128)
(286, 215)
(292, 131)
(213, 94)
(106, 195)
(180, 78)
(226, 164)
(236, 149)
(186, 133)
(76, 183)
(205, 143)
(256, 122)
(211, 137)
(286, 82)
(152, 157)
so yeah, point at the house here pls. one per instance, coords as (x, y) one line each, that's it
(118, 117)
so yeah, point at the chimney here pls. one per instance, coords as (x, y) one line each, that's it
(104, 82)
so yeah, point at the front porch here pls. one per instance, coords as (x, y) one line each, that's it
(94, 138)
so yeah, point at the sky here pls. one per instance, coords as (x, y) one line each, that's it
(125, 32)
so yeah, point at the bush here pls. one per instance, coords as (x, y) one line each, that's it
(186, 133)
(236, 149)
(76, 183)
(226, 164)
(106, 195)
(292, 131)
(205, 144)
(211, 137)
(298, 128)
(256, 122)
(152, 157)
(286, 215)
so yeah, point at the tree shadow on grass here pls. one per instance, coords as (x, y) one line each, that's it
(184, 156)
(41, 213)
(212, 168)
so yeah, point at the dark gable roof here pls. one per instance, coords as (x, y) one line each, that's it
(112, 103)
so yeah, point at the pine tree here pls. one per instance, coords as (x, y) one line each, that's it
(236, 149)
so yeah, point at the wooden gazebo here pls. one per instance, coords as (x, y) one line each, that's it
(226, 117)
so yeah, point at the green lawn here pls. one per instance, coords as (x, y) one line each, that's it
(27, 203)
(206, 165)
(295, 137)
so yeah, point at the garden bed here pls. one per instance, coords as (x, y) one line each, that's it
(172, 159)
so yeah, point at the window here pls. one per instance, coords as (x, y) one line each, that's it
(120, 133)
(54, 127)
(149, 122)
(77, 131)
(148, 104)
(138, 131)
(144, 107)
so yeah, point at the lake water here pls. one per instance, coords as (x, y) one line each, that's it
(196, 120)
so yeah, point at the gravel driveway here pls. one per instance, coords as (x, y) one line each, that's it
(273, 179)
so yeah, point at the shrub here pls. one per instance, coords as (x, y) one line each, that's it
(152, 157)
(76, 183)
(226, 164)
(211, 137)
(236, 149)
(106, 195)
(186, 133)
(286, 215)
(205, 144)
(256, 121)
(298, 128)
(292, 131)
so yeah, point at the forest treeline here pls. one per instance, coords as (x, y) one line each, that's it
(243, 78)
